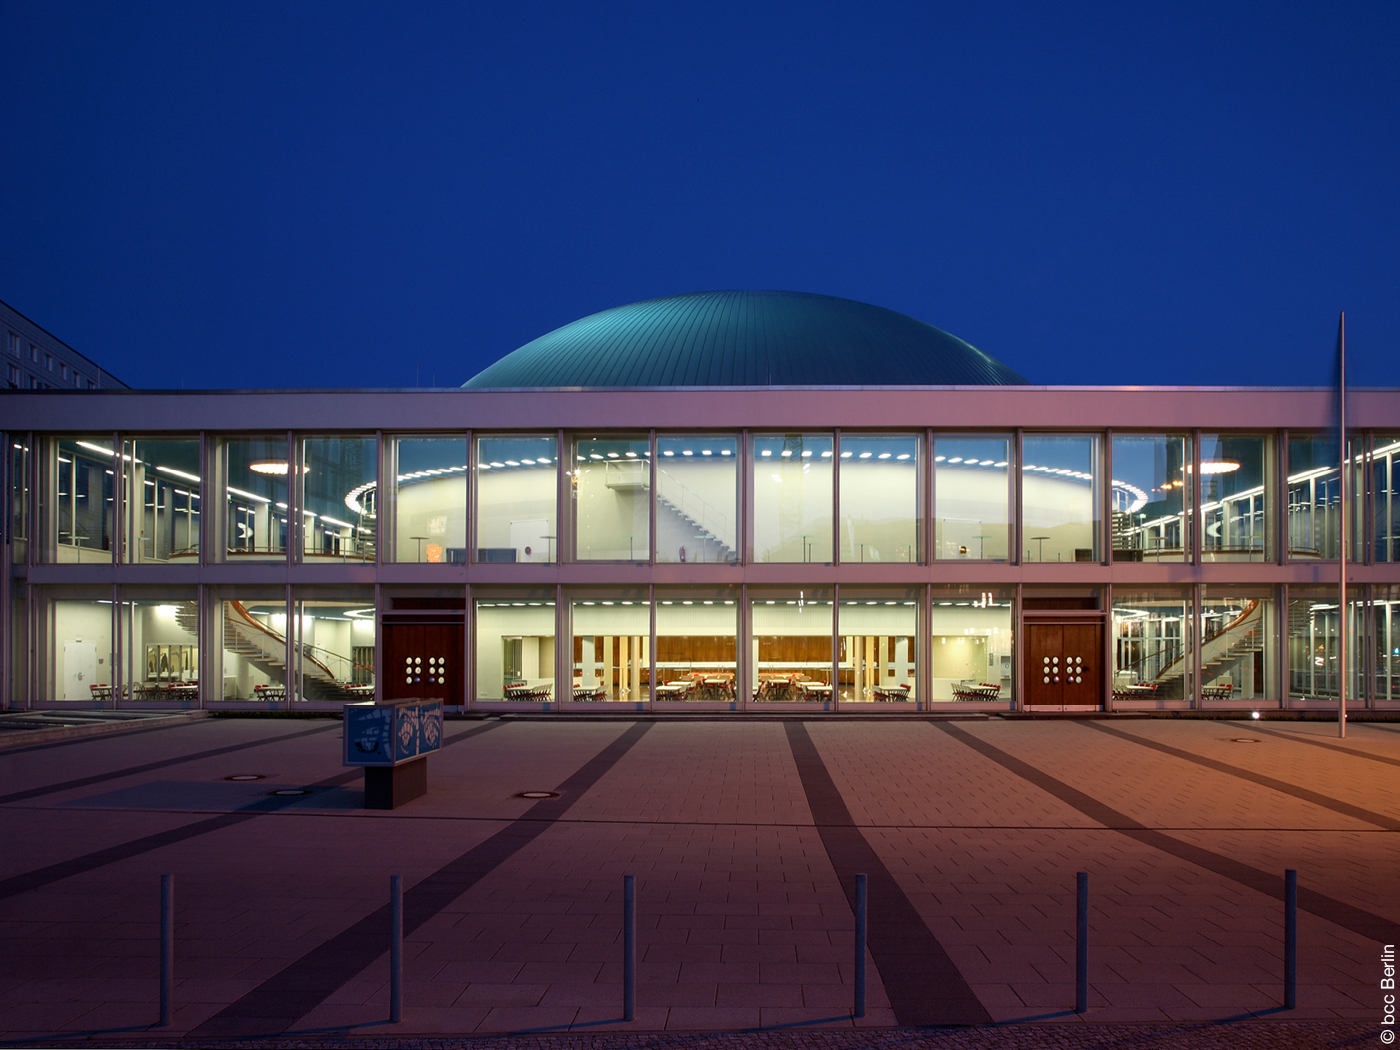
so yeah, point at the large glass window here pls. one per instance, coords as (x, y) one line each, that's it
(1238, 653)
(612, 637)
(77, 642)
(1385, 612)
(792, 644)
(1236, 492)
(972, 496)
(1151, 635)
(878, 644)
(1314, 497)
(612, 512)
(429, 500)
(515, 648)
(338, 510)
(335, 644)
(697, 498)
(517, 491)
(254, 635)
(971, 644)
(162, 499)
(78, 499)
(696, 644)
(160, 644)
(1151, 478)
(1313, 658)
(1060, 497)
(19, 499)
(792, 497)
(879, 477)
(255, 508)
(1385, 484)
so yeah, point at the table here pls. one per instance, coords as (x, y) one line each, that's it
(1041, 540)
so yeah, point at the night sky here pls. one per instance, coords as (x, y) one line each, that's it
(311, 195)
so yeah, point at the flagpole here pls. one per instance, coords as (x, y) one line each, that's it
(1342, 526)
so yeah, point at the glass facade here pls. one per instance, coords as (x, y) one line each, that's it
(18, 498)
(338, 477)
(611, 637)
(878, 645)
(972, 496)
(78, 500)
(1237, 488)
(1314, 497)
(159, 650)
(1313, 659)
(612, 499)
(1385, 489)
(880, 497)
(429, 500)
(161, 499)
(792, 644)
(334, 646)
(697, 634)
(517, 495)
(1151, 639)
(1237, 647)
(75, 647)
(1385, 652)
(252, 623)
(971, 644)
(255, 497)
(697, 498)
(515, 648)
(1151, 487)
(1060, 497)
(792, 495)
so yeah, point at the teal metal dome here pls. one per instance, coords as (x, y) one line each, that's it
(746, 339)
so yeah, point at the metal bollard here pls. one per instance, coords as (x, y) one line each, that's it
(861, 927)
(1290, 939)
(1081, 954)
(395, 949)
(167, 944)
(629, 948)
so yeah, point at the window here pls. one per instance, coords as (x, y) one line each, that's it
(515, 638)
(339, 482)
(792, 644)
(612, 482)
(33, 353)
(1236, 494)
(879, 479)
(14, 377)
(517, 487)
(1060, 497)
(62, 370)
(48, 361)
(162, 501)
(429, 500)
(972, 496)
(1236, 646)
(792, 504)
(1150, 473)
(970, 644)
(877, 644)
(77, 379)
(13, 344)
(697, 485)
(1150, 640)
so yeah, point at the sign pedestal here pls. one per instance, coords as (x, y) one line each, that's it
(388, 787)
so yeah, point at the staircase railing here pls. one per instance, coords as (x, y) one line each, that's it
(704, 514)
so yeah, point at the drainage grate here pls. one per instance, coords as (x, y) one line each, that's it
(537, 794)
(1244, 740)
(286, 792)
(246, 776)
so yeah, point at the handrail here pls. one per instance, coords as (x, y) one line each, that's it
(724, 520)
(248, 618)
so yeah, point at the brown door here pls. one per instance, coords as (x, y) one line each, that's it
(1064, 665)
(423, 660)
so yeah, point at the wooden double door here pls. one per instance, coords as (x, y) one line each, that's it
(424, 659)
(1064, 665)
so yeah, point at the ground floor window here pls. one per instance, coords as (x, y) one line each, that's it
(970, 644)
(1314, 624)
(76, 642)
(792, 644)
(252, 628)
(697, 632)
(611, 646)
(1151, 643)
(878, 650)
(1238, 650)
(515, 652)
(333, 647)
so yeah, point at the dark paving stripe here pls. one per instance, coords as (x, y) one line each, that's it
(39, 877)
(1298, 739)
(1346, 809)
(923, 985)
(1357, 920)
(116, 774)
(286, 997)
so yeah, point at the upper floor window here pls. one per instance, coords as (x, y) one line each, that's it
(13, 343)
(792, 497)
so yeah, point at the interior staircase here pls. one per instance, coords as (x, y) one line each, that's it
(1221, 653)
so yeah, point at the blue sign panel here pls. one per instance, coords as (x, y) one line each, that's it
(388, 734)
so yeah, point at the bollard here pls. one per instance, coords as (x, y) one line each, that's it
(861, 927)
(1290, 939)
(395, 949)
(167, 944)
(629, 948)
(1081, 954)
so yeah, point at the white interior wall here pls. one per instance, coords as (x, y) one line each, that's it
(879, 508)
(792, 498)
(431, 507)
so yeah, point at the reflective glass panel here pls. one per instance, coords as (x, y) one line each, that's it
(878, 644)
(697, 498)
(160, 644)
(970, 646)
(517, 492)
(696, 644)
(971, 496)
(1150, 489)
(254, 634)
(1151, 635)
(162, 499)
(79, 650)
(792, 497)
(339, 477)
(792, 655)
(611, 647)
(19, 499)
(1385, 662)
(78, 504)
(1060, 497)
(1314, 497)
(1237, 651)
(335, 646)
(1235, 497)
(612, 511)
(255, 523)
(1385, 485)
(879, 476)
(1313, 657)
(430, 500)
(515, 649)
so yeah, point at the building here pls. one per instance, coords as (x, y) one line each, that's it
(37, 360)
(733, 501)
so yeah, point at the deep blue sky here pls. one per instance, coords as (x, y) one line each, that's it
(233, 195)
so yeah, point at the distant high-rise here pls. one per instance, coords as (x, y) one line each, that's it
(38, 360)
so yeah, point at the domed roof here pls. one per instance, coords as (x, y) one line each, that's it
(740, 338)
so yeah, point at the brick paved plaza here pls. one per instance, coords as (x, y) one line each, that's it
(744, 837)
